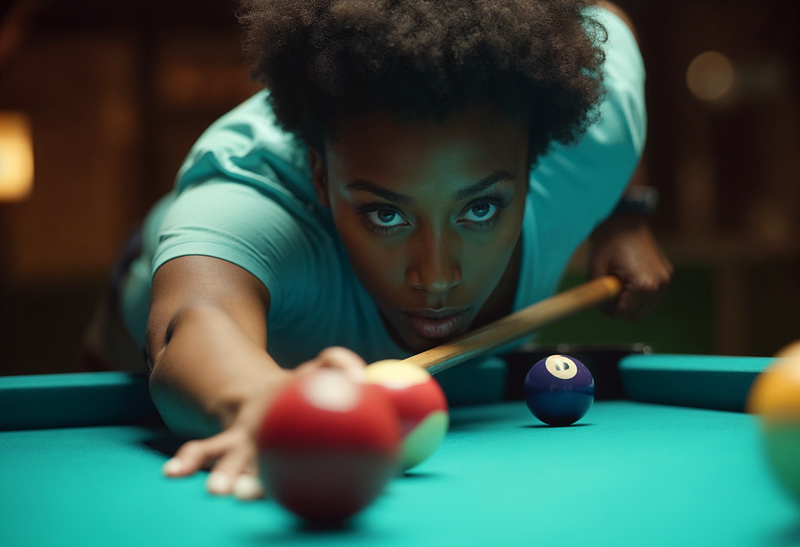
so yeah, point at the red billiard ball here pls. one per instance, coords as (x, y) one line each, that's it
(420, 404)
(559, 390)
(328, 446)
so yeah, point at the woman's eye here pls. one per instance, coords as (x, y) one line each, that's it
(385, 218)
(481, 212)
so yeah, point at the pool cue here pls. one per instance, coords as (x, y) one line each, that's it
(518, 324)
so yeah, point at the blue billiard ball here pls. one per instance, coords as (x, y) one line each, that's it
(559, 390)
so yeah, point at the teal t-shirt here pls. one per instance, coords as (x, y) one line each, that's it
(244, 195)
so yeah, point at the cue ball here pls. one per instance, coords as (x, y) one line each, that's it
(420, 404)
(559, 390)
(328, 446)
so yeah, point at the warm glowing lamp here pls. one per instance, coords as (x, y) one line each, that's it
(710, 76)
(16, 157)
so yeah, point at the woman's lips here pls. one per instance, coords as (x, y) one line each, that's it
(432, 327)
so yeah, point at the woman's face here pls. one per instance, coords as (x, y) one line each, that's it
(429, 214)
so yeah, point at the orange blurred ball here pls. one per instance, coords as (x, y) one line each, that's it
(775, 397)
(775, 393)
(790, 350)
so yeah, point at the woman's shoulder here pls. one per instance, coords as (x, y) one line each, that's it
(247, 146)
(620, 44)
(621, 14)
(247, 128)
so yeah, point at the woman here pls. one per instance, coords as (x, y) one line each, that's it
(417, 169)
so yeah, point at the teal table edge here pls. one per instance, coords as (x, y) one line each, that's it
(119, 398)
(700, 381)
(80, 399)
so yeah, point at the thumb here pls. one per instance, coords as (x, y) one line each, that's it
(348, 362)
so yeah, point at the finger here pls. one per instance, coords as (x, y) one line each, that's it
(252, 467)
(190, 458)
(633, 298)
(195, 455)
(651, 303)
(248, 487)
(349, 362)
(625, 304)
(231, 464)
(598, 264)
(644, 295)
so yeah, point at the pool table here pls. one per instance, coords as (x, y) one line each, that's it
(669, 458)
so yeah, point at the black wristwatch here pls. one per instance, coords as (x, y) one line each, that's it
(637, 200)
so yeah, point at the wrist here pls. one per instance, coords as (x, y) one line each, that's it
(619, 224)
(638, 200)
(246, 406)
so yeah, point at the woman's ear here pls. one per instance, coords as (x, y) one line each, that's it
(319, 176)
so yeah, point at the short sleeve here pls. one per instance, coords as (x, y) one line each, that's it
(574, 188)
(240, 224)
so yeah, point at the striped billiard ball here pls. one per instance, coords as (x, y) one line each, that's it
(420, 404)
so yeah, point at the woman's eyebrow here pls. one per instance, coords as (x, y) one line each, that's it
(501, 175)
(364, 185)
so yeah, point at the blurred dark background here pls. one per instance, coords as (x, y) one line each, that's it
(115, 93)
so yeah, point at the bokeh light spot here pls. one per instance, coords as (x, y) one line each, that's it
(709, 76)
(16, 157)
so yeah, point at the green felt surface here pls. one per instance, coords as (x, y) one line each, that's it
(632, 474)
(782, 448)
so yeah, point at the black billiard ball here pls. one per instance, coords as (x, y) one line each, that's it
(559, 390)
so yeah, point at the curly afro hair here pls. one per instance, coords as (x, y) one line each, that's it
(326, 60)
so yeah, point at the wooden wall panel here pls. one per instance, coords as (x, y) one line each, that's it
(79, 93)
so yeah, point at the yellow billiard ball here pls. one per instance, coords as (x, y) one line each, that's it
(775, 397)
(790, 350)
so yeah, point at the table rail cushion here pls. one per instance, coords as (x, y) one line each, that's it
(701, 381)
(82, 399)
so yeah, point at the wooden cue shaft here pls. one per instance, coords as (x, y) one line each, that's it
(517, 325)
